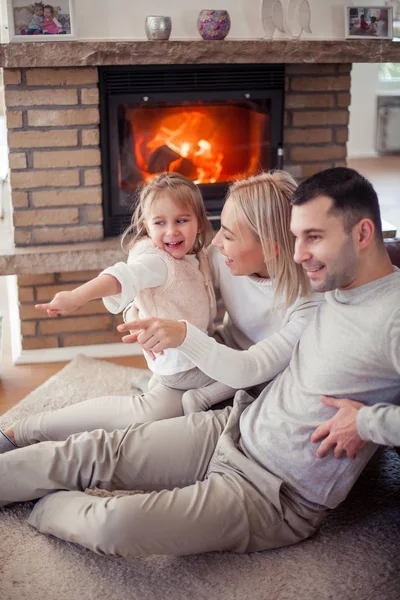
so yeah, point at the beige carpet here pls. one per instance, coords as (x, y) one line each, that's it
(355, 556)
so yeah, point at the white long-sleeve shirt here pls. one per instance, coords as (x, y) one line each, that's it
(248, 301)
(145, 271)
(380, 424)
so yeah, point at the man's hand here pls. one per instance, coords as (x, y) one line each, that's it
(154, 334)
(340, 432)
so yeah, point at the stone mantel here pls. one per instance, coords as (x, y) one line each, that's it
(66, 257)
(97, 53)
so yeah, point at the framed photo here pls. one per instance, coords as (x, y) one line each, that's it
(369, 22)
(31, 21)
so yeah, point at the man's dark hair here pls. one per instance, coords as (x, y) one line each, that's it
(353, 196)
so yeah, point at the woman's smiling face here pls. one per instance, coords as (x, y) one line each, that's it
(243, 252)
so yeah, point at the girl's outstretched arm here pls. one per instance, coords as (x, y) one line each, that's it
(66, 302)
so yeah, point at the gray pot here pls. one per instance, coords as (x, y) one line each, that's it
(157, 27)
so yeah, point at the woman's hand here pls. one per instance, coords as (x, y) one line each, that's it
(63, 303)
(154, 334)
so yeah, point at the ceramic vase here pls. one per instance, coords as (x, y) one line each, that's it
(213, 24)
(158, 27)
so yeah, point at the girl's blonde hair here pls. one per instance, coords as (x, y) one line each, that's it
(262, 202)
(181, 190)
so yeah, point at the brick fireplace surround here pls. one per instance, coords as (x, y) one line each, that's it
(52, 115)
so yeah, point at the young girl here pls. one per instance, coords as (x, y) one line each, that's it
(263, 290)
(167, 275)
(50, 23)
(36, 24)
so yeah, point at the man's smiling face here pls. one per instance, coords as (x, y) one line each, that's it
(327, 253)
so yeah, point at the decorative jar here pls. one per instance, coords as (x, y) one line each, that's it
(158, 27)
(213, 24)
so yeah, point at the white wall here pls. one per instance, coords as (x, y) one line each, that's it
(3, 22)
(124, 19)
(365, 88)
(362, 125)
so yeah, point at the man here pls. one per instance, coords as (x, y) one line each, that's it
(247, 478)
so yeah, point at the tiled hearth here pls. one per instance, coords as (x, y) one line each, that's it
(53, 132)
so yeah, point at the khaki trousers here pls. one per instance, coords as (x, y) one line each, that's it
(202, 492)
(168, 397)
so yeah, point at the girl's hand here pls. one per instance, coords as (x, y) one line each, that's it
(154, 334)
(63, 303)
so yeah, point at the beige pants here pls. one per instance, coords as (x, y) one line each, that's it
(168, 397)
(202, 492)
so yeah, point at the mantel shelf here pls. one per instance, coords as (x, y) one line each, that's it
(98, 53)
(86, 256)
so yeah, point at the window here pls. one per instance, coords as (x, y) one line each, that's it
(396, 16)
(389, 73)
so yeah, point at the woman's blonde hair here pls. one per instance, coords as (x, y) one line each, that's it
(181, 190)
(262, 203)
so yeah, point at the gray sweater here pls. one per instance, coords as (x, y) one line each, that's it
(380, 424)
(350, 349)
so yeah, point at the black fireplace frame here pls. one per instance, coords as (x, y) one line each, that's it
(152, 84)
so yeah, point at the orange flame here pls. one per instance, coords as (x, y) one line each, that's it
(206, 161)
(206, 143)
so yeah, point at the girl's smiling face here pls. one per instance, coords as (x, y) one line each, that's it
(172, 226)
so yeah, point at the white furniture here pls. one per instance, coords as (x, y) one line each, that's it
(388, 124)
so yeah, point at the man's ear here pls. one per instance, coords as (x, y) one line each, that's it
(365, 233)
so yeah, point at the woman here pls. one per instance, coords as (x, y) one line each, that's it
(266, 298)
(271, 309)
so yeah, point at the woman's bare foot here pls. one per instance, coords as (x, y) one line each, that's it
(7, 442)
(10, 434)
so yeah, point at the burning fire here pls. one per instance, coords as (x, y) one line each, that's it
(180, 149)
(206, 143)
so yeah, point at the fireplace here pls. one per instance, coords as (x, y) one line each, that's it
(212, 123)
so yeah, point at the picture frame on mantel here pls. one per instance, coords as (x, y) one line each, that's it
(31, 21)
(369, 22)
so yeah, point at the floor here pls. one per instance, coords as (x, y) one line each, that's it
(17, 381)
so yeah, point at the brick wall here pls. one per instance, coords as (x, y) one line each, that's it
(316, 117)
(53, 135)
(53, 121)
(90, 324)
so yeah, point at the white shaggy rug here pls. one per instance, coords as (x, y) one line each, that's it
(355, 556)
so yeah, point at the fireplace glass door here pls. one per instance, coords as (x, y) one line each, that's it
(208, 143)
(211, 137)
